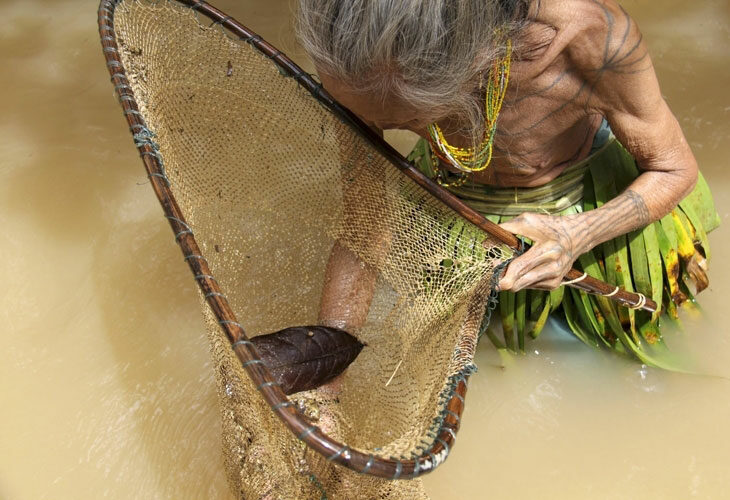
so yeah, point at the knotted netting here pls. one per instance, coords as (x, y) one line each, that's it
(260, 180)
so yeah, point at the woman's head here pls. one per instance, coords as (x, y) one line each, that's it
(408, 62)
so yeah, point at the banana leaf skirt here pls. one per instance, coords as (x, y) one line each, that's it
(666, 260)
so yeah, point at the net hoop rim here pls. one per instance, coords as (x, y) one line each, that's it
(446, 425)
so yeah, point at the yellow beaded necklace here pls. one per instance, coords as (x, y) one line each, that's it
(469, 160)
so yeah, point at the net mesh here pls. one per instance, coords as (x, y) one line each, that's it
(269, 180)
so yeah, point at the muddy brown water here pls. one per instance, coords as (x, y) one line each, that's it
(105, 381)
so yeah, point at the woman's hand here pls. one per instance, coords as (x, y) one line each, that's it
(555, 247)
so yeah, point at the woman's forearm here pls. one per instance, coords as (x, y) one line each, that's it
(648, 198)
(349, 286)
(559, 241)
(651, 196)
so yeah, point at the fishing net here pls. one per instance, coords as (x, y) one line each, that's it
(260, 182)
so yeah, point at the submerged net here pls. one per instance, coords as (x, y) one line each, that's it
(268, 180)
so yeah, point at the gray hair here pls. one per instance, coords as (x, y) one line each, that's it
(428, 53)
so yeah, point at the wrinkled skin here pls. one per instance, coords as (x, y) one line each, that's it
(576, 62)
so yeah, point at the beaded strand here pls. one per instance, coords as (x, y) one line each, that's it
(470, 160)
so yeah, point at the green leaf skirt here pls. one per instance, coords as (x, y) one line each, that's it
(666, 260)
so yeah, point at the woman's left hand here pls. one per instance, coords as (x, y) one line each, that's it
(554, 249)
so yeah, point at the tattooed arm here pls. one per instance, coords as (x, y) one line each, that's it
(609, 53)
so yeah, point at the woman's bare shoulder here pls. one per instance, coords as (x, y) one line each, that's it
(589, 31)
(551, 26)
(589, 22)
(571, 14)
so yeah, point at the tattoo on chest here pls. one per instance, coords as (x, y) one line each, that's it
(623, 54)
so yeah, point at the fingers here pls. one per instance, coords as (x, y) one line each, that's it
(528, 225)
(538, 264)
(520, 267)
(539, 267)
(547, 285)
(544, 277)
(544, 265)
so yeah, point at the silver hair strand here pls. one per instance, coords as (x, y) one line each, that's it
(428, 53)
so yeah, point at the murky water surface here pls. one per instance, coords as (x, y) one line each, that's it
(105, 381)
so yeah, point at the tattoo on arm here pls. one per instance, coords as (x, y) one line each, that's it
(640, 209)
(623, 214)
(620, 61)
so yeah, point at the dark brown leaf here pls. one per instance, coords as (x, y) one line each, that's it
(304, 357)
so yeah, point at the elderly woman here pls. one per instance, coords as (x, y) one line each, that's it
(546, 116)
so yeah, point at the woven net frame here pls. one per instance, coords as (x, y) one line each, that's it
(245, 241)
